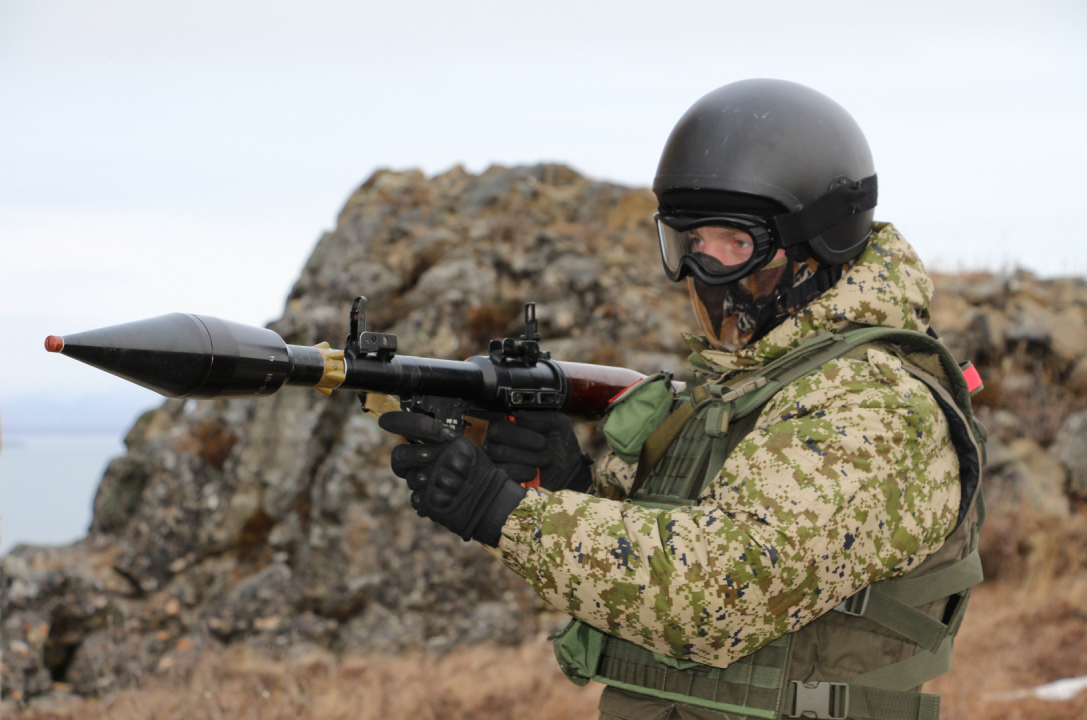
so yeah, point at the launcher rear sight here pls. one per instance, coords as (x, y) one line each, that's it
(525, 349)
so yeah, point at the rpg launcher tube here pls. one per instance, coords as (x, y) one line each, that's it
(196, 356)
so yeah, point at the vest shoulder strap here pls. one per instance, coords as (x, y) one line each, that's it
(824, 348)
(925, 357)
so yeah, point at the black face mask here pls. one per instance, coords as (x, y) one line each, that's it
(737, 314)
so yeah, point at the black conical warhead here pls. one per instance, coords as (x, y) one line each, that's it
(181, 355)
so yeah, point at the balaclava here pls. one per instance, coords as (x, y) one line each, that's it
(735, 315)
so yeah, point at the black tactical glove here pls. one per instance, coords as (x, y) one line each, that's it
(452, 481)
(540, 439)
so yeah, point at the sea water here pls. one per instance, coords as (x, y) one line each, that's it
(47, 485)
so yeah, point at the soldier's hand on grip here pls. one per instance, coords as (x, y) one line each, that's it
(539, 440)
(452, 481)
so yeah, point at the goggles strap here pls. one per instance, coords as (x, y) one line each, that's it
(825, 211)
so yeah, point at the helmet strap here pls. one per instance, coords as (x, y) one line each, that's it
(788, 296)
(791, 296)
(795, 297)
(770, 316)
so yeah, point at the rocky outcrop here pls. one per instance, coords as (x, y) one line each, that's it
(1070, 448)
(1029, 340)
(277, 524)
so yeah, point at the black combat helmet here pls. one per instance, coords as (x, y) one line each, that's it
(772, 158)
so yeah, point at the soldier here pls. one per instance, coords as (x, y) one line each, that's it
(795, 535)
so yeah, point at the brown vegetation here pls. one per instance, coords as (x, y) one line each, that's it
(1024, 629)
(1027, 624)
(1014, 639)
(475, 683)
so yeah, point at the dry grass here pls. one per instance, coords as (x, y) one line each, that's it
(480, 682)
(1026, 626)
(1013, 638)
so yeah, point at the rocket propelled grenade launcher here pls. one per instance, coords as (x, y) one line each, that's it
(197, 356)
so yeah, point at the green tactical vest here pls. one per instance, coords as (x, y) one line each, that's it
(869, 657)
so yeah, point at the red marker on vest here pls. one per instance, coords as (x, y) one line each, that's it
(973, 378)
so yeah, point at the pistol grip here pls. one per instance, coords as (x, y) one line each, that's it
(534, 483)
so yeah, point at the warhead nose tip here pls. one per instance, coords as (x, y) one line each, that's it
(54, 343)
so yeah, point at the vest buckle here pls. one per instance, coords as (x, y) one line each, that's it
(821, 700)
(740, 390)
(855, 605)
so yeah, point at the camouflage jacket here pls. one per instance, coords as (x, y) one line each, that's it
(851, 477)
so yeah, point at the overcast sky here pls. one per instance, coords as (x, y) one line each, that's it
(159, 157)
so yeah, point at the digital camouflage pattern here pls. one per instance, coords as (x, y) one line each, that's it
(850, 477)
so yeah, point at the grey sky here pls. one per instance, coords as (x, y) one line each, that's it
(158, 157)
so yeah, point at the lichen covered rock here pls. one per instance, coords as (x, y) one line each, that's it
(277, 525)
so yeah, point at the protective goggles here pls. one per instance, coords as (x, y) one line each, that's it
(717, 250)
